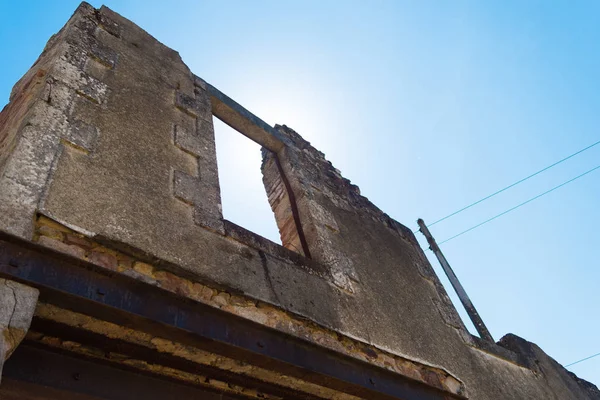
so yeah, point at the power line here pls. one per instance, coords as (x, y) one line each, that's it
(583, 359)
(515, 184)
(519, 205)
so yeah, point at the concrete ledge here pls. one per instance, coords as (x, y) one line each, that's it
(499, 351)
(271, 248)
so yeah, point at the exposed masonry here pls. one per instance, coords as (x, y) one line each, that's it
(59, 84)
(17, 305)
(111, 134)
(282, 206)
(82, 136)
(56, 236)
(202, 191)
(310, 170)
(188, 353)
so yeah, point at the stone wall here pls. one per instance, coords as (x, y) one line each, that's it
(58, 237)
(107, 154)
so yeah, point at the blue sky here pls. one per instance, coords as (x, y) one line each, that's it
(427, 106)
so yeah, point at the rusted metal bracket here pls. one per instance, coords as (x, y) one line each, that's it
(460, 291)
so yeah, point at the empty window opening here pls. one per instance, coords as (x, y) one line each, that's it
(243, 194)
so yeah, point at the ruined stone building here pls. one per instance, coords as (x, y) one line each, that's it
(120, 279)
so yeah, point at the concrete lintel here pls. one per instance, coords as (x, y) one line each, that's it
(17, 305)
(243, 121)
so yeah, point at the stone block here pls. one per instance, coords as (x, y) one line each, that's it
(108, 24)
(54, 244)
(190, 141)
(93, 90)
(17, 305)
(77, 240)
(209, 217)
(198, 106)
(51, 232)
(144, 268)
(186, 187)
(82, 135)
(103, 55)
(104, 260)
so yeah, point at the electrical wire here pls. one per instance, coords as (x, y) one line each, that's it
(516, 183)
(519, 205)
(583, 359)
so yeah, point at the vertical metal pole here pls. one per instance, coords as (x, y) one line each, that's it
(462, 295)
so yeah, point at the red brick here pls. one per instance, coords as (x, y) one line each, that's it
(78, 240)
(62, 247)
(104, 260)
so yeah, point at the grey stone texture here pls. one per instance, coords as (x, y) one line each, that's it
(39, 116)
(17, 305)
(147, 182)
(82, 135)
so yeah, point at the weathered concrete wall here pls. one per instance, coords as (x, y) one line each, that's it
(400, 303)
(110, 138)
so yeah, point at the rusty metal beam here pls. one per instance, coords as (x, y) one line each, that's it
(82, 287)
(32, 370)
(108, 345)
